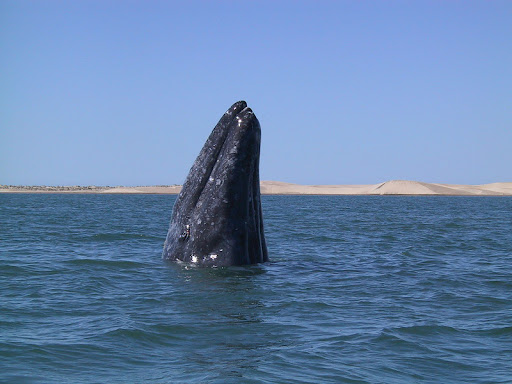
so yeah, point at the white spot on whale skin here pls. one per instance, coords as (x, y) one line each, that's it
(218, 182)
(199, 221)
(194, 259)
(210, 179)
(213, 256)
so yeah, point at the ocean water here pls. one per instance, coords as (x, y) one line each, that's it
(358, 290)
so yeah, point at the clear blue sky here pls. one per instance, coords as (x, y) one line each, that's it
(126, 92)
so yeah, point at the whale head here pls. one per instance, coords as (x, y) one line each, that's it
(217, 218)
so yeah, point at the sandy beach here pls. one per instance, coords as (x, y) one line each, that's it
(393, 187)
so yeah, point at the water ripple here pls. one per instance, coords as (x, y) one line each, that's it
(358, 290)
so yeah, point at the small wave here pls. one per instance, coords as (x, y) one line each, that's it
(8, 269)
(33, 269)
(159, 335)
(426, 330)
(501, 331)
(410, 337)
(454, 225)
(104, 262)
(111, 237)
(22, 379)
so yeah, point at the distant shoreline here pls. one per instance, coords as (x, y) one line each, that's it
(393, 187)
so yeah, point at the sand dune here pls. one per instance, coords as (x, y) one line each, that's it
(280, 188)
(393, 187)
(405, 187)
(504, 188)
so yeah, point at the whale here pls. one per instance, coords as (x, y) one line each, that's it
(217, 218)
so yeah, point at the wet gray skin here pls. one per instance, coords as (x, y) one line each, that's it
(217, 220)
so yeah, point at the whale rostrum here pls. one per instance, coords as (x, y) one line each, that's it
(217, 218)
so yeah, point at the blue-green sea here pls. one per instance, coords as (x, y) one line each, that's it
(358, 290)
